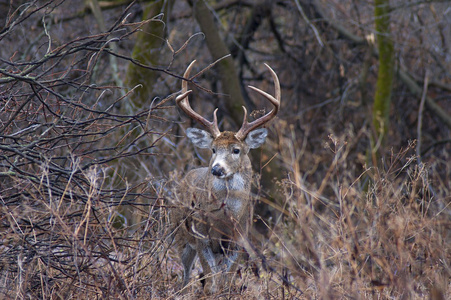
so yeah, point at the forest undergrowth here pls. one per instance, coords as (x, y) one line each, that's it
(383, 234)
(87, 159)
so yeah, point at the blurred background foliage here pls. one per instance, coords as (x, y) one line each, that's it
(354, 180)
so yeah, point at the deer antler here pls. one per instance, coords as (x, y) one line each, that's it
(183, 103)
(248, 127)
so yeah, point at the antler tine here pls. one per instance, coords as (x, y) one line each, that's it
(248, 127)
(183, 103)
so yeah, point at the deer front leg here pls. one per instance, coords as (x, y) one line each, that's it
(234, 252)
(187, 255)
(231, 258)
(210, 266)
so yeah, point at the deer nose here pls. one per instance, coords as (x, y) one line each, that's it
(217, 170)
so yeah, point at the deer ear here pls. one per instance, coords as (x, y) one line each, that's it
(256, 138)
(200, 138)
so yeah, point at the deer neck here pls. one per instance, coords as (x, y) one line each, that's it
(236, 182)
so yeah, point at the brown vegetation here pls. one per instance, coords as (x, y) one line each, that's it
(76, 151)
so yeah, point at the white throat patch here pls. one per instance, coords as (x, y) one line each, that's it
(235, 182)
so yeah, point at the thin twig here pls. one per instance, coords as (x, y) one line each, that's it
(306, 19)
(420, 115)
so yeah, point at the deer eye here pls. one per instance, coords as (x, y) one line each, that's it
(213, 150)
(236, 151)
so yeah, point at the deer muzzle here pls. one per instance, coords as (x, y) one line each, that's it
(218, 171)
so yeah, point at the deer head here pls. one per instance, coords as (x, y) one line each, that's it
(229, 149)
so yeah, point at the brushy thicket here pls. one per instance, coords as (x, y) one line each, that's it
(338, 230)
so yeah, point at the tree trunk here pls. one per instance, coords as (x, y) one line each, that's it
(218, 49)
(148, 50)
(384, 86)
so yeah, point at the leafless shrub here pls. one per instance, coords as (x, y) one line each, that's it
(351, 238)
(61, 234)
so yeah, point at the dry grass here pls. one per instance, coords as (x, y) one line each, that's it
(384, 234)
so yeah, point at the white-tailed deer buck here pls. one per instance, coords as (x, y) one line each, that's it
(216, 209)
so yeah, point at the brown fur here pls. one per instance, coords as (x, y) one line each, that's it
(215, 212)
(215, 202)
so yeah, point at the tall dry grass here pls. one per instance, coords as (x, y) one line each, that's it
(383, 234)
